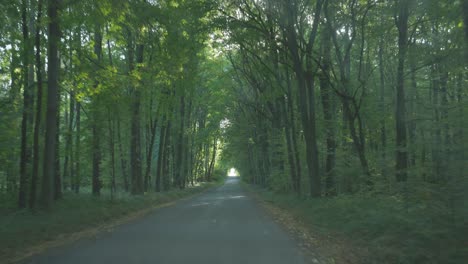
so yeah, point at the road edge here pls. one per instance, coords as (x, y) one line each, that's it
(317, 248)
(69, 238)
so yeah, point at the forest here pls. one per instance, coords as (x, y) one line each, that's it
(351, 113)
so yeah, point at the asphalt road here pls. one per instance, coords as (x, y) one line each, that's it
(220, 226)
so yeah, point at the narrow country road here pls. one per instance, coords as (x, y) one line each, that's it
(220, 226)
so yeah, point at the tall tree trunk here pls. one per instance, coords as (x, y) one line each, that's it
(96, 120)
(213, 159)
(436, 128)
(52, 105)
(292, 117)
(68, 160)
(135, 144)
(445, 127)
(66, 157)
(166, 162)
(25, 157)
(289, 148)
(328, 114)
(76, 164)
(382, 109)
(77, 169)
(401, 21)
(38, 119)
(306, 88)
(149, 153)
(179, 173)
(123, 161)
(111, 126)
(57, 176)
(412, 113)
(161, 153)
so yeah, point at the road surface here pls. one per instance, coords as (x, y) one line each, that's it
(220, 226)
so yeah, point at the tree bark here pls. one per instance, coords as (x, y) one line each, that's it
(123, 161)
(382, 109)
(289, 148)
(57, 176)
(96, 120)
(328, 114)
(305, 82)
(149, 154)
(179, 173)
(161, 154)
(401, 21)
(166, 162)
(68, 160)
(25, 157)
(213, 159)
(292, 117)
(111, 126)
(135, 144)
(52, 105)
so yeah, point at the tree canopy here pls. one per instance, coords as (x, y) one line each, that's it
(317, 98)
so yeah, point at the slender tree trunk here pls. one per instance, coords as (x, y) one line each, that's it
(328, 113)
(135, 144)
(52, 105)
(306, 88)
(66, 156)
(166, 162)
(72, 109)
(206, 160)
(25, 157)
(112, 152)
(444, 114)
(382, 109)
(77, 178)
(291, 158)
(436, 131)
(161, 153)
(96, 119)
(400, 116)
(149, 154)
(213, 159)
(68, 160)
(123, 161)
(57, 176)
(295, 148)
(413, 98)
(179, 146)
(76, 164)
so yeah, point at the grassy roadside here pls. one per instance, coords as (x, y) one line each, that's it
(364, 229)
(24, 233)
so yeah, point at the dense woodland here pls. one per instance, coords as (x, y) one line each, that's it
(318, 98)
(106, 95)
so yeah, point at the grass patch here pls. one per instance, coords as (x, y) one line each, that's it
(25, 229)
(390, 230)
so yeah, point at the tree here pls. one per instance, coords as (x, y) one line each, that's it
(47, 190)
(401, 21)
(27, 108)
(38, 119)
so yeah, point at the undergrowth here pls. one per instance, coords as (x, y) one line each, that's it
(392, 231)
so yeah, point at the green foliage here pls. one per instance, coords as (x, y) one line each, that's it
(392, 231)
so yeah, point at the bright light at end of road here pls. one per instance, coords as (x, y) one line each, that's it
(233, 173)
